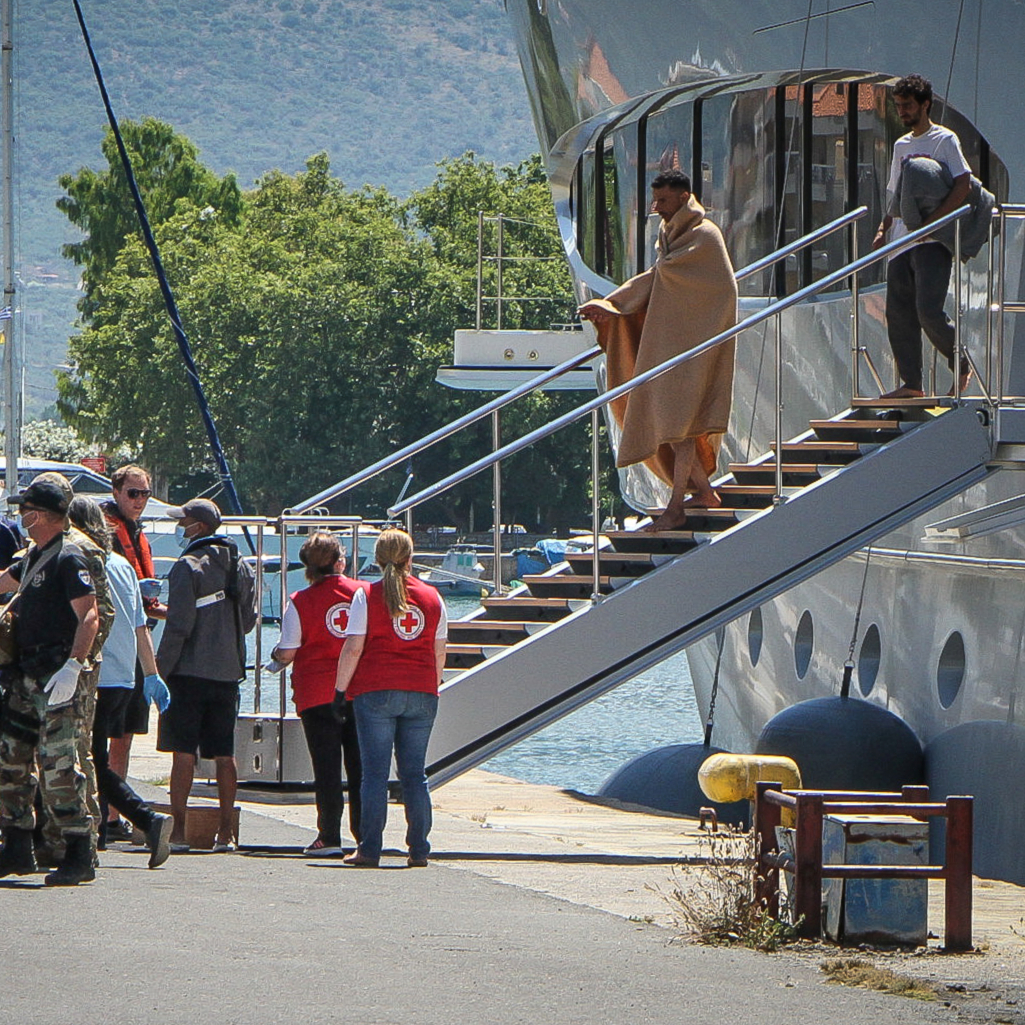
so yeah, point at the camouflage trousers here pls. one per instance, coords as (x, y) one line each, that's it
(32, 732)
(84, 707)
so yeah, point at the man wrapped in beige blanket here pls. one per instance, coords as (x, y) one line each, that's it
(675, 423)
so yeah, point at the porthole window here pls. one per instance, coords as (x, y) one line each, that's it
(803, 644)
(754, 636)
(950, 671)
(868, 660)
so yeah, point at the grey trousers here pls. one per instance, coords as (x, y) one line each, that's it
(916, 289)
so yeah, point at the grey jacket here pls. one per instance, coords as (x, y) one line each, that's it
(924, 183)
(205, 628)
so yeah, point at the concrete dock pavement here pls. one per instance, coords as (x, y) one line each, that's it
(539, 904)
(267, 936)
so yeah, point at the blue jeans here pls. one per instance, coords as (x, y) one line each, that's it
(403, 719)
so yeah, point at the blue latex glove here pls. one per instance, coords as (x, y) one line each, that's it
(154, 689)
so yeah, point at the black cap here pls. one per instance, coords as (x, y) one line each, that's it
(43, 494)
(201, 509)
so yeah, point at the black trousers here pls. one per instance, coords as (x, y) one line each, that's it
(111, 706)
(331, 742)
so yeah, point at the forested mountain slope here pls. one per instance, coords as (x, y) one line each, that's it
(385, 87)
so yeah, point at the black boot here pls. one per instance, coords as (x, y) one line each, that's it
(16, 857)
(77, 866)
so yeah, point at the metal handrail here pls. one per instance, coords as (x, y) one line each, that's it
(500, 401)
(772, 310)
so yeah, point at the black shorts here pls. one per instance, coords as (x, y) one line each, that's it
(137, 710)
(111, 705)
(201, 715)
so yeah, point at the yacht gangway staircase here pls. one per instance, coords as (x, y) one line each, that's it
(564, 638)
(529, 658)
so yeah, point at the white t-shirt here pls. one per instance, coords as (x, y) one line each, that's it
(939, 143)
(291, 629)
(358, 618)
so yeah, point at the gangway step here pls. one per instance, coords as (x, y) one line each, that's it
(615, 564)
(489, 631)
(528, 608)
(746, 496)
(463, 656)
(795, 475)
(926, 402)
(871, 430)
(665, 542)
(840, 452)
(566, 585)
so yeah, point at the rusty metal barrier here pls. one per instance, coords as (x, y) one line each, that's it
(807, 868)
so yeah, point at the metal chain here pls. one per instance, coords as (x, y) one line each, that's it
(848, 666)
(710, 721)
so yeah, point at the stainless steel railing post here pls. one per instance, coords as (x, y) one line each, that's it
(496, 501)
(855, 322)
(498, 275)
(1001, 300)
(777, 498)
(595, 509)
(989, 306)
(957, 312)
(480, 268)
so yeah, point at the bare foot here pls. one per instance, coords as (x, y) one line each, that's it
(965, 378)
(707, 500)
(670, 519)
(904, 392)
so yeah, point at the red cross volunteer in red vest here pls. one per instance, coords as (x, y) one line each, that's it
(390, 667)
(312, 634)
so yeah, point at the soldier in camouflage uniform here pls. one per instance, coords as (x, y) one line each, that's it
(57, 624)
(94, 549)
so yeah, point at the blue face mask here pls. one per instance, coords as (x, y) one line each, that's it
(181, 537)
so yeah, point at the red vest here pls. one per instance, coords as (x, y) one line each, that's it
(398, 654)
(323, 614)
(137, 552)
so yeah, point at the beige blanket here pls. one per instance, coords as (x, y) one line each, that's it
(689, 295)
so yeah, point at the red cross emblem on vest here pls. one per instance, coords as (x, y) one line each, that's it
(409, 625)
(336, 619)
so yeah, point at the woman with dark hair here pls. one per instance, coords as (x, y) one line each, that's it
(390, 667)
(312, 632)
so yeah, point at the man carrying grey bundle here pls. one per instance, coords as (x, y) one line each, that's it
(211, 606)
(929, 178)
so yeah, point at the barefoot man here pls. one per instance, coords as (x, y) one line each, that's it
(675, 423)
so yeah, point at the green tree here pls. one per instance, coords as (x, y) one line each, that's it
(166, 169)
(318, 317)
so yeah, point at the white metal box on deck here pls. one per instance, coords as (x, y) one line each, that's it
(889, 911)
(268, 750)
(498, 360)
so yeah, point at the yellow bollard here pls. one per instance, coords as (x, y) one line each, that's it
(727, 777)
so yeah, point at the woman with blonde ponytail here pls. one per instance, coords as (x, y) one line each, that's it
(390, 666)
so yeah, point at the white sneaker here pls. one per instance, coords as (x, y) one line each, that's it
(319, 849)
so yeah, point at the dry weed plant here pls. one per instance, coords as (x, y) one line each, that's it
(855, 971)
(713, 899)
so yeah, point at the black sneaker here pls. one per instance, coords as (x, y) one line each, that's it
(120, 831)
(158, 838)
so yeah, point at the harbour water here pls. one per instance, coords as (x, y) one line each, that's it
(580, 751)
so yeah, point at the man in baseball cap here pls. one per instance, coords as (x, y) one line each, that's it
(43, 494)
(211, 606)
(202, 510)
